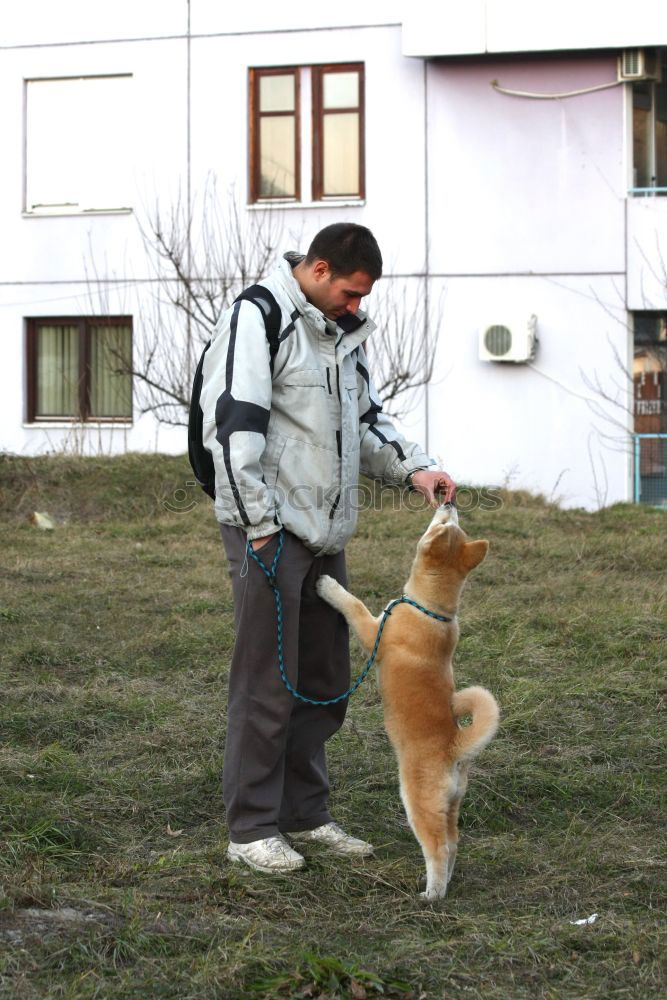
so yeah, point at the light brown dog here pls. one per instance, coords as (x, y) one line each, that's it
(421, 707)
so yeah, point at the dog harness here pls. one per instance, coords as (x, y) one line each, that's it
(272, 580)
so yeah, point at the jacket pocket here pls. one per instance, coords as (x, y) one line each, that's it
(307, 486)
(270, 460)
(351, 388)
(307, 377)
(301, 408)
(351, 383)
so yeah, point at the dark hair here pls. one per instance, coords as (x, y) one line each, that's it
(347, 247)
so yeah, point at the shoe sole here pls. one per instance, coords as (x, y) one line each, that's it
(341, 852)
(238, 860)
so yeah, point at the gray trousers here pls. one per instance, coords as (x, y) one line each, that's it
(275, 773)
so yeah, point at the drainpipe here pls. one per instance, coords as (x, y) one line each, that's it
(188, 192)
(427, 258)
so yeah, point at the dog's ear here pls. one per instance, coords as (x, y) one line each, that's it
(473, 553)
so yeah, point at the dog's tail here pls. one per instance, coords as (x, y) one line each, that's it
(483, 707)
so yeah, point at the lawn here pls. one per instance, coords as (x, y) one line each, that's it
(117, 629)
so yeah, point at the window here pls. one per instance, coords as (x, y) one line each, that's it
(650, 372)
(307, 122)
(337, 145)
(650, 384)
(79, 369)
(649, 132)
(78, 149)
(275, 167)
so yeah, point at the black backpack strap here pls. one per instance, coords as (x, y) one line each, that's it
(271, 313)
(201, 459)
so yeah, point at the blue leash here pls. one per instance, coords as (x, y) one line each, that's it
(270, 575)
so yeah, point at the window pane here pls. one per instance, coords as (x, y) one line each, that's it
(340, 90)
(650, 385)
(79, 143)
(648, 327)
(277, 157)
(276, 93)
(661, 134)
(641, 124)
(341, 154)
(57, 371)
(650, 371)
(110, 387)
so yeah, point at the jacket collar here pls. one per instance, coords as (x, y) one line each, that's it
(354, 328)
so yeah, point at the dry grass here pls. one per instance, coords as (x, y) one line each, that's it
(117, 630)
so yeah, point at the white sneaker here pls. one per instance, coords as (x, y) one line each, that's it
(332, 836)
(273, 855)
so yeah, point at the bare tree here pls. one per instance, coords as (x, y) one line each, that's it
(402, 349)
(613, 399)
(611, 396)
(201, 259)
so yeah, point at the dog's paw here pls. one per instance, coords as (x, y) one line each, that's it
(330, 590)
(433, 894)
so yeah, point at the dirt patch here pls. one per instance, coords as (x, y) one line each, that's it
(22, 925)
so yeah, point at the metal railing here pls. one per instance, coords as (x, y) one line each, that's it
(647, 192)
(651, 469)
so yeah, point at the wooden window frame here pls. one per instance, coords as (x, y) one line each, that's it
(318, 131)
(317, 115)
(254, 117)
(83, 323)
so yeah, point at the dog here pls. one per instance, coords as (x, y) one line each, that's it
(421, 707)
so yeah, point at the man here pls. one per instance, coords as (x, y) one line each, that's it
(291, 420)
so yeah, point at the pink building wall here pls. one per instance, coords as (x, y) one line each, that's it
(518, 184)
(527, 215)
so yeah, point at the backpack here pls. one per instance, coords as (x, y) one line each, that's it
(200, 457)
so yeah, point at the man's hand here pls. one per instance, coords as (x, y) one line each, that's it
(258, 542)
(430, 483)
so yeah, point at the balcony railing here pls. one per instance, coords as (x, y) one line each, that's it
(647, 192)
(651, 469)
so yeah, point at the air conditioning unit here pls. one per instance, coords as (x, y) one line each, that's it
(639, 64)
(509, 340)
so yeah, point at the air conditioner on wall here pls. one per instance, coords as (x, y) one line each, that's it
(639, 64)
(508, 340)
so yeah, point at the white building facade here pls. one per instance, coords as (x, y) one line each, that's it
(506, 158)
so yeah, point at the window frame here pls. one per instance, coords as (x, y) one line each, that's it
(83, 323)
(652, 151)
(69, 208)
(315, 72)
(655, 347)
(255, 116)
(318, 113)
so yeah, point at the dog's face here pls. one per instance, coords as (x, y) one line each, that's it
(444, 549)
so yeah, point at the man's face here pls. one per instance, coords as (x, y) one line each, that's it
(336, 296)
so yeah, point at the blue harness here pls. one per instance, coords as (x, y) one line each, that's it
(270, 575)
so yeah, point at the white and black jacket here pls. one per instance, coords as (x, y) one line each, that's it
(291, 428)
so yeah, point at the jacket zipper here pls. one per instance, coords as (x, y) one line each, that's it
(338, 439)
(333, 507)
(332, 512)
(328, 382)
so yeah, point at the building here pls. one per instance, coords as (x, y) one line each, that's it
(511, 158)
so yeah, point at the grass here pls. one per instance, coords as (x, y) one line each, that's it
(117, 629)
